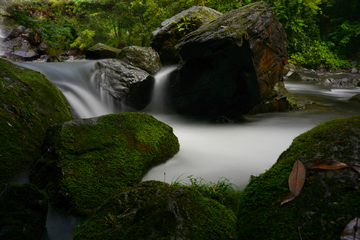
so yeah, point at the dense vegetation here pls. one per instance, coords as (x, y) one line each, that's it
(320, 32)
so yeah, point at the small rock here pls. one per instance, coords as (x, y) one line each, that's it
(354, 63)
(354, 70)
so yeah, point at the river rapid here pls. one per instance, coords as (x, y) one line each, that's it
(207, 150)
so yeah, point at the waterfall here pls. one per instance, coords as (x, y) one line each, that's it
(2, 35)
(158, 102)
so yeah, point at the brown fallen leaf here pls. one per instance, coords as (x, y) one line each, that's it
(329, 165)
(297, 178)
(288, 198)
(352, 230)
(356, 168)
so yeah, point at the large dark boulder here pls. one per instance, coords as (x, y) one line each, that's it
(100, 51)
(29, 104)
(23, 210)
(231, 63)
(156, 210)
(164, 38)
(85, 161)
(142, 57)
(125, 82)
(329, 199)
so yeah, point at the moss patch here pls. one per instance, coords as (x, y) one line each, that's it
(156, 210)
(92, 158)
(29, 103)
(328, 200)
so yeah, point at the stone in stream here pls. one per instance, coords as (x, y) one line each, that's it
(125, 82)
(165, 37)
(141, 57)
(23, 210)
(86, 161)
(355, 98)
(29, 105)
(101, 51)
(329, 199)
(229, 64)
(157, 210)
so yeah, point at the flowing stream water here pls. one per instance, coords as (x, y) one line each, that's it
(207, 150)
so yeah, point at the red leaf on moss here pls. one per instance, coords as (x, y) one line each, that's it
(329, 165)
(297, 178)
(352, 230)
(288, 198)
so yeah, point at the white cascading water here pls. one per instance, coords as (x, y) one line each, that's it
(2, 35)
(207, 150)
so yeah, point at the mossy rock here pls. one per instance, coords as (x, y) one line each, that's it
(100, 51)
(85, 161)
(156, 210)
(142, 57)
(23, 210)
(167, 35)
(329, 199)
(29, 104)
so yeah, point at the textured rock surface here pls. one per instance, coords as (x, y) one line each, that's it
(141, 57)
(164, 38)
(125, 82)
(23, 210)
(329, 199)
(156, 210)
(231, 63)
(86, 160)
(355, 98)
(100, 51)
(29, 103)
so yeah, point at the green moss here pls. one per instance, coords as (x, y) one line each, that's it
(97, 156)
(156, 210)
(29, 103)
(100, 47)
(328, 200)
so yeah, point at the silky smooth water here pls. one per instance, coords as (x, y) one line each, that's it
(207, 150)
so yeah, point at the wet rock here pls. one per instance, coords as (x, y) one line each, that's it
(354, 70)
(23, 210)
(125, 82)
(354, 63)
(15, 32)
(141, 57)
(303, 75)
(355, 98)
(230, 63)
(100, 51)
(85, 161)
(156, 210)
(344, 83)
(329, 199)
(29, 105)
(164, 38)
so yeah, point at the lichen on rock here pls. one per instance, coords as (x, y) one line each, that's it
(329, 198)
(29, 103)
(85, 161)
(156, 210)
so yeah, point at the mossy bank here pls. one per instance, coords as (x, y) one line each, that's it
(29, 104)
(85, 161)
(156, 210)
(329, 199)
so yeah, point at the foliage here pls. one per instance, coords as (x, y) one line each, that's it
(318, 53)
(221, 191)
(85, 40)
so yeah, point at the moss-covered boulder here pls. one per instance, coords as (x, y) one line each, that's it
(29, 103)
(100, 51)
(156, 210)
(142, 57)
(126, 83)
(165, 37)
(329, 199)
(231, 63)
(23, 210)
(85, 161)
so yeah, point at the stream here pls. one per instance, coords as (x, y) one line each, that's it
(207, 150)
